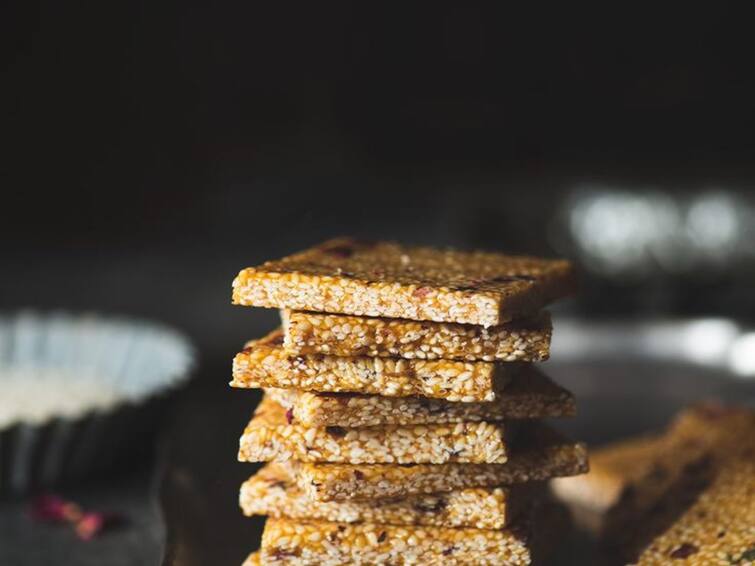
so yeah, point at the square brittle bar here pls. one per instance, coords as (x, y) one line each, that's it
(272, 491)
(526, 340)
(270, 436)
(321, 543)
(387, 279)
(537, 454)
(265, 363)
(530, 395)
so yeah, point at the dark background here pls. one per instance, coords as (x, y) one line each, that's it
(154, 149)
(151, 150)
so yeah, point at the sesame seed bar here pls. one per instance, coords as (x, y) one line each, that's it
(386, 279)
(653, 462)
(719, 526)
(272, 491)
(265, 363)
(530, 395)
(697, 447)
(253, 559)
(525, 340)
(320, 543)
(538, 453)
(269, 436)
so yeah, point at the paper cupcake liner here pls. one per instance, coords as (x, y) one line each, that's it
(143, 361)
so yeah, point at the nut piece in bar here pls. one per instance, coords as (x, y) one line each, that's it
(320, 543)
(269, 436)
(386, 279)
(272, 491)
(530, 395)
(526, 340)
(265, 363)
(538, 453)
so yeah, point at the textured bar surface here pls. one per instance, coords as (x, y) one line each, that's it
(530, 395)
(343, 335)
(719, 527)
(272, 491)
(253, 559)
(537, 454)
(654, 462)
(269, 436)
(264, 363)
(389, 280)
(708, 447)
(291, 542)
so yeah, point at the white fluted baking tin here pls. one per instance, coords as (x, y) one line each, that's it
(80, 393)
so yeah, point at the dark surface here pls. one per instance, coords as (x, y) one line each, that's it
(620, 392)
(138, 541)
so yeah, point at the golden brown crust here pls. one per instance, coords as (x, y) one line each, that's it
(269, 436)
(320, 543)
(530, 395)
(265, 363)
(343, 335)
(272, 491)
(390, 280)
(719, 527)
(537, 454)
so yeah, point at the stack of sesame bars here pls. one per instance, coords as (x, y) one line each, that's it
(400, 417)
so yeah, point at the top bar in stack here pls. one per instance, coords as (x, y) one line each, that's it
(390, 280)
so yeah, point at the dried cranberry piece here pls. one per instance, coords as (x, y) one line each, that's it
(422, 292)
(684, 551)
(279, 554)
(290, 415)
(337, 431)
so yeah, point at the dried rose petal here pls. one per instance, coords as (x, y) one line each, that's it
(54, 509)
(49, 508)
(90, 525)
